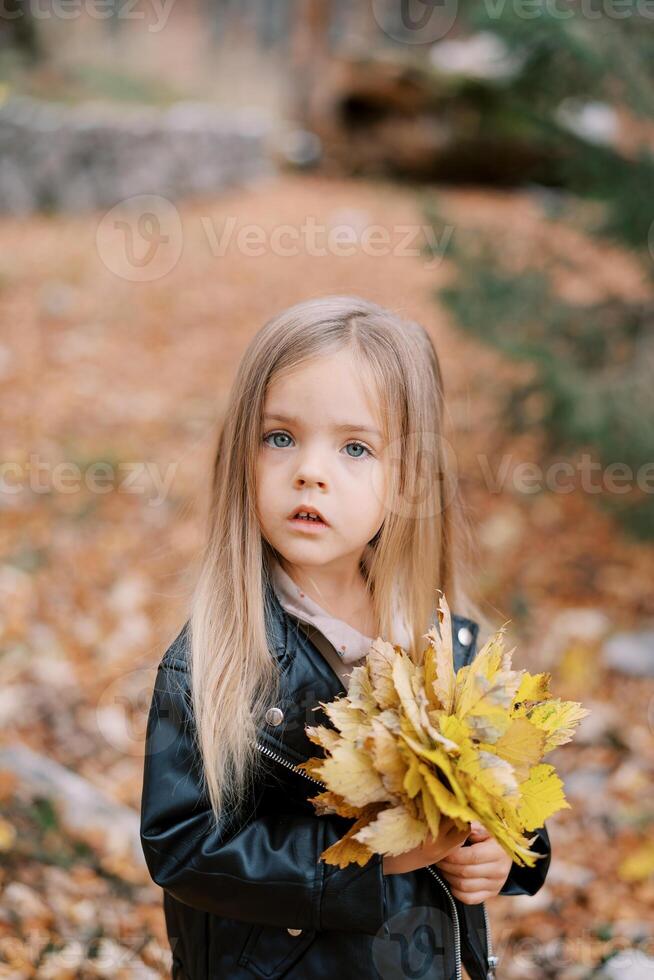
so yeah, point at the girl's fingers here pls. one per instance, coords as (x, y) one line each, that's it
(470, 885)
(482, 851)
(460, 836)
(475, 898)
(448, 834)
(478, 830)
(468, 871)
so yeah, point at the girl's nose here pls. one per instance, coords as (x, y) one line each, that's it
(310, 473)
(309, 482)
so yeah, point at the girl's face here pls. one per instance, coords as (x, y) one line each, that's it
(321, 446)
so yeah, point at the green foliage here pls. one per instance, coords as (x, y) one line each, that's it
(625, 187)
(569, 54)
(592, 364)
(592, 50)
(44, 814)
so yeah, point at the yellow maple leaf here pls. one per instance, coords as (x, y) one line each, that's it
(379, 664)
(360, 691)
(442, 658)
(386, 757)
(350, 773)
(349, 850)
(534, 687)
(445, 800)
(393, 831)
(522, 745)
(327, 738)
(558, 719)
(542, 795)
(329, 802)
(347, 719)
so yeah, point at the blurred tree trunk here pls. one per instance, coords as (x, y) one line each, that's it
(309, 53)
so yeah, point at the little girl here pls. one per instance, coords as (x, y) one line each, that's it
(334, 518)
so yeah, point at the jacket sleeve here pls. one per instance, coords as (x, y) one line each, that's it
(266, 869)
(527, 881)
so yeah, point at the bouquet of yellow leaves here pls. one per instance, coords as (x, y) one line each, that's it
(414, 741)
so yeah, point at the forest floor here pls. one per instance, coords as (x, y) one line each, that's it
(121, 381)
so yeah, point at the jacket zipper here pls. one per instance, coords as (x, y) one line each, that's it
(490, 957)
(492, 960)
(289, 765)
(455, 914)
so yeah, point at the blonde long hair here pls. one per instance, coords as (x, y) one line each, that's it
(418, 550)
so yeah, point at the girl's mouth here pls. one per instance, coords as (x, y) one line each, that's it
(310, 525)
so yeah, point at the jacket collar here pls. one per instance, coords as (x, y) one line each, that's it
(282, 634)
(276, 621)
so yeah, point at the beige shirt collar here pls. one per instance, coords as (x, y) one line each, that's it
(349, 643)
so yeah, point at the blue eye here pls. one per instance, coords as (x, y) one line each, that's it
(361, 446)
(284, 435)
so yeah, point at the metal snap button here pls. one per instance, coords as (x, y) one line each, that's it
(274, 716)
(465, 636)
(294, 932)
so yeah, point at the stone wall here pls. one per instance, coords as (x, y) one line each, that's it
(59, 157)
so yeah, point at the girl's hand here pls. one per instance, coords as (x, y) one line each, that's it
(477, 872)
(433, 848)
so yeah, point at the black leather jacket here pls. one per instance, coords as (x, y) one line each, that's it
(254, 900)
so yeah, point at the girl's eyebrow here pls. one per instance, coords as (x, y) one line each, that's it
(337, 426)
